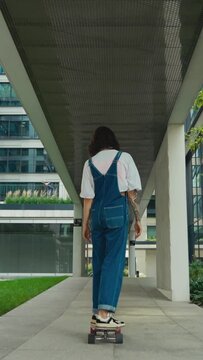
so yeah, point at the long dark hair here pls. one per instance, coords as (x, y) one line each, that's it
(103, 138)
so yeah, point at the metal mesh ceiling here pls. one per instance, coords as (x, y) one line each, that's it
(111, 62)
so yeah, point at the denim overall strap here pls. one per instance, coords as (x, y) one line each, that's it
(96, 173)
(104, 182)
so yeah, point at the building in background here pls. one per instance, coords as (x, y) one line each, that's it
(39, 240)
(197, 195)
(33, 239)
(194, 176)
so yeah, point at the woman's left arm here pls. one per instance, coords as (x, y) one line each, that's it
(86, 216)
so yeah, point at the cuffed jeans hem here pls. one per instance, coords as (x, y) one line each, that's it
(106, 307)
(94, 311)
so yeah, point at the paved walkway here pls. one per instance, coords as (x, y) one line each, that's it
(54, 326)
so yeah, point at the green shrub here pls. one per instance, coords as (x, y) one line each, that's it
(196, 291)
(194, 137)
(196, 270)
(89, 269)
(196, 282)
(34, 197)
(198, 101)
(125, 272)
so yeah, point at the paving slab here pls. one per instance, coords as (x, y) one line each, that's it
(28, 319)
(156, 328)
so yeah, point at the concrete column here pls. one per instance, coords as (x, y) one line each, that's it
(171, 216)
(78, 243)
(131, 259)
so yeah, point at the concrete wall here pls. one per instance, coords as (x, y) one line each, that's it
(171, 216)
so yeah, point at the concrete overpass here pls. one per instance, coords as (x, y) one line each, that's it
(133, 65)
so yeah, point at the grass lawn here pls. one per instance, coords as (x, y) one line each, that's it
(15, 292)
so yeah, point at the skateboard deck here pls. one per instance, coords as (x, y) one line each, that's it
(105, 334)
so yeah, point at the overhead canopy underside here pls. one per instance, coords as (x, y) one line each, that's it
(111, 62)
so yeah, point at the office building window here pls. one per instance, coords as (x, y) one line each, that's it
(151, 232)
(2, 72)
(24, 160)
(3, 166)
(16, 126)
(8, 96)
(25, 152)
(14, 166)
(3, 152)
(151, 211)
(4, 128)
(46, 248)
(41, 152)
(197, 183)
(14, 152)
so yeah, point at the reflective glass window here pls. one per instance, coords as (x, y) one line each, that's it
(25, 152)
(151, 211)
(2, 72)
(151, 232)
(3, 166)
(3, 152)
(16, 126)
(8, 96)
(4, 128)
(14, 152)
(24, 166)
(40, 152)
(14, 166)
(35, 248)
(41, 167)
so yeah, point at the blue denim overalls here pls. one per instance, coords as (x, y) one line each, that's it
(109, 229)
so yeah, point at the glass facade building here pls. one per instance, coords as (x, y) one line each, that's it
(197, 179)
(25, 160)
(34, 245)
(36, 248)
(8, 96)
(194, 176)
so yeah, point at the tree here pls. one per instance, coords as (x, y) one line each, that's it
(194, 137)
(198, 101)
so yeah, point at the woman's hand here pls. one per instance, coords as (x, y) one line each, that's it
(86, 234)
(138, 229)
(86, 218)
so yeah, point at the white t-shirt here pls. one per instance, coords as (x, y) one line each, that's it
(128, 176)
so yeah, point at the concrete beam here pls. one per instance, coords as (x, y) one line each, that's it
(78, 245)
(17, 75)
(191, 85)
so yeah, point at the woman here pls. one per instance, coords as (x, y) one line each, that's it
(110, 178)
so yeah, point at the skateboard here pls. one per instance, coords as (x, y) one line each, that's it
(105, 334)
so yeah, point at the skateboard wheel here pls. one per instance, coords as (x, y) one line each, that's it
(92, 331)
(119, 338)
(118, 331)
(91, 339)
